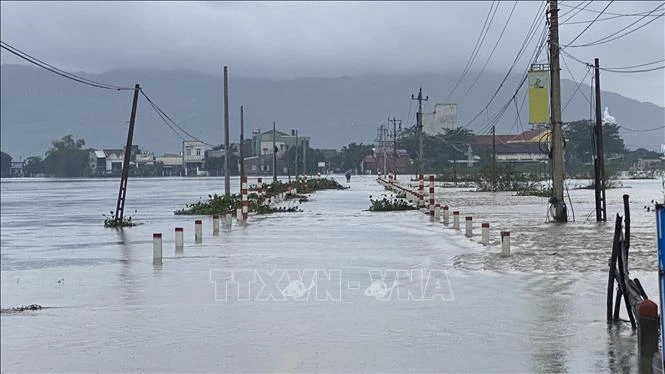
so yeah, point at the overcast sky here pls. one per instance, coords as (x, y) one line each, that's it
(325, 39)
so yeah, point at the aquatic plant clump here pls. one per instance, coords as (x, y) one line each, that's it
(389, 203)
(110, 221)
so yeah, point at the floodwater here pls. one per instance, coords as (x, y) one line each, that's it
(107, 308)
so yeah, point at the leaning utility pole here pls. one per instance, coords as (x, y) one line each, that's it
(419, 120)
(242, 145)
(274, 155)
(560, 211)
(120, 207)
(227, 177)
(296, 162)
(599, 160)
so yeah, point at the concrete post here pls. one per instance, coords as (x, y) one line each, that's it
(179, 240)
(198, 231)
(215, 225)
(157, 249)
(647, 328)
(469, 226)
(229, 220)
(505, 243)
(485, 234)
(455, 220)
(446, 215)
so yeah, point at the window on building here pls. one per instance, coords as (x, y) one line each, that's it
(198, 152)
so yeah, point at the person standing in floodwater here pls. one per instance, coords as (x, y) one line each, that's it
(348, 176)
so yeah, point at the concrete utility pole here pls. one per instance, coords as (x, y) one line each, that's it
(122, 193)
(296, 152)
(560, 211)
(241, 148)
(304, 157)
(419, 120)
(274, 154)
(599, 161)
(493, 158)
(227, 177)
(394, 122)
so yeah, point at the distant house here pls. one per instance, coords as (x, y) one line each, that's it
(145, 159)
(97, 162)
(16, 168)
(397, 163)
(261, 143)
(444, 117)
(524, 147)
(171, 164)
(193, 156)
(114, 160)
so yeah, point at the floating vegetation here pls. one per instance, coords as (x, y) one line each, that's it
(22, 308)
(389, 203)
(110, 221)
(222, 205)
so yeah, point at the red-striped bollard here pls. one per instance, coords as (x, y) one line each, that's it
(259, 186)
(505, 243)
(198, 231)
(215, 225)
(421, 190)
(431, 195)
(455, 220)
(179, 240)
(157, 248)
(646, 312)
(446, 215)
(245, 198)
(469, 226)
(485, 240)
(437, 212)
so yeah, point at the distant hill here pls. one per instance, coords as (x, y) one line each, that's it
(38, 107)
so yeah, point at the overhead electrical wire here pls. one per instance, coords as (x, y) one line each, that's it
(589, 25)
(168, 119)
(598, 11)
(530, 34)
(612, 36)
(25, 56)
(641, 130)
(489, 58)
(476, 48)
(572, 10)
(610, 18)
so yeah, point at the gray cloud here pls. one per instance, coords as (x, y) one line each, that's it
(293, 39)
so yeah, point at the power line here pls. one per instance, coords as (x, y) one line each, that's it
(491, 53)
(621, 70)
(33, 60)
(636, 66)
(638, 130)
(576, 13)
(608, 13)
(592, 22)
(166, 117)
(612, 17)
(610, 38)
(539, 47)
(476, 48)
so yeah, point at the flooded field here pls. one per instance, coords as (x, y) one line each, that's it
(365, 306)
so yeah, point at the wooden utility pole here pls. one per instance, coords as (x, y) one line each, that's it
(227, 177)
(241, 148)
(599, 160)
(274, 154)
(493, 158)
(122, 193)
(419, 121)
(560, 211)
(296, 162)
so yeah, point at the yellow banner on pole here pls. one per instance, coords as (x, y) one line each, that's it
(539, 97)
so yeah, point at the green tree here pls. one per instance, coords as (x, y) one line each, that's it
(438, 149)
(5, 164)
(34, 165)
(67, 158)
(351, 155)
(580, 145)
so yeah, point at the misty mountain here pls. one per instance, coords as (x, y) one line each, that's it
(38, 107)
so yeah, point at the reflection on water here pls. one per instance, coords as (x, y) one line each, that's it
(540, 310)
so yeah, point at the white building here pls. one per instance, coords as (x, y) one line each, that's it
(193, 156)
(443, 117)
